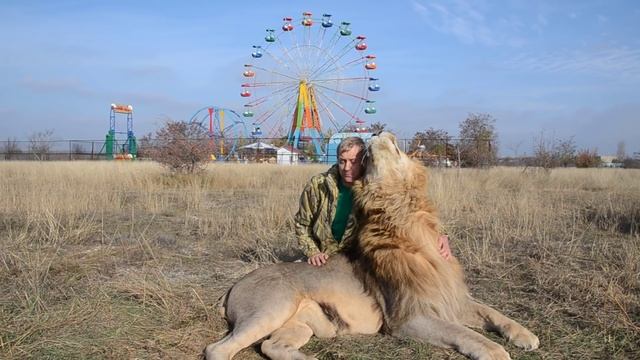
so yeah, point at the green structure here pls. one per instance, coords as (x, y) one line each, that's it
(110, 143)
(129, 149)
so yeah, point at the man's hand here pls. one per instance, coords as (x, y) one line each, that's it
(443, 247)
(318, 259)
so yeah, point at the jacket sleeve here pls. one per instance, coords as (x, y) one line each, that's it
(304, 219)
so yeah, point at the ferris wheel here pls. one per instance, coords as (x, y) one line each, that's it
(224, 127)
(308, 78)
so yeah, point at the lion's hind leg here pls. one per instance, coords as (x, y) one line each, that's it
(445, 334)
(284, 343)
(483, 316)
(252, 321)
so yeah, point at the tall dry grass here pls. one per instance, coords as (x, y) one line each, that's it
(124, 260)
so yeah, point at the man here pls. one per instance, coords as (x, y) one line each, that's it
(325, 223)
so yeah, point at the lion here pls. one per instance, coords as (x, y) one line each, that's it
(391, 279)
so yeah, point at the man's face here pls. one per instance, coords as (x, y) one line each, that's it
(350, 165)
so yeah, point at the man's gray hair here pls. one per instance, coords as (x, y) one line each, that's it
(348, 143)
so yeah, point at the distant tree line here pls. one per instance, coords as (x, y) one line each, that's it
(550, 153)
(185, 147)
(39, 146)
(475, 146)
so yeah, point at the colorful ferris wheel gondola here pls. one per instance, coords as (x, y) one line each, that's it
(370, 109)
(307, 79)
(326, 21)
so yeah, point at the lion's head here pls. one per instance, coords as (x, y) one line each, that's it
(393, 188)
(383, 157)
(386, 163)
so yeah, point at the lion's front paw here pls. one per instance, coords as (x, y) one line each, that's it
(526, 340)
(496, 352)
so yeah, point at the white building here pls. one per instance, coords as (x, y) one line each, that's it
(288, 155)
(608, 161)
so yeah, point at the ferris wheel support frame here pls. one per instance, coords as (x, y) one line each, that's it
(306, 117)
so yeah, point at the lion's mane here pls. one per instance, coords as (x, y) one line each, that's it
(396, 254)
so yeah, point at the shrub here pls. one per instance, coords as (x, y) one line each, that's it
(587, 159)
(40, 144)
(11, 149)
(181, 146)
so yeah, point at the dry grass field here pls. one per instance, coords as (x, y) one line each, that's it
(123, 260)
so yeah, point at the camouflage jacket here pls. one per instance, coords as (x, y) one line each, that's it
(318, 204)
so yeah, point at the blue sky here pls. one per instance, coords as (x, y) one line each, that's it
(557, 68)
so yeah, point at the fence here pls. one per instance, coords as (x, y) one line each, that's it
(53, 150)
(438, 152)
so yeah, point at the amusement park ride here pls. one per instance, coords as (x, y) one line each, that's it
(224, 127)
(309, 79)
(126, 149)
(307, 72)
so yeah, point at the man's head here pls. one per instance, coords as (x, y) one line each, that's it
(350, 153)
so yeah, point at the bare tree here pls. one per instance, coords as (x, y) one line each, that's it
(181, 146)
(145, 146)
(515, 148)
(40, 144)
(549, 153)
(543, 152)
(478, 140)
(621, 153)
(11, 149)
(434, 141)
(77, 150)
(433, 147)
(564, 152)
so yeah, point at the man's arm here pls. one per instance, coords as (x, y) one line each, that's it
(303, 221)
